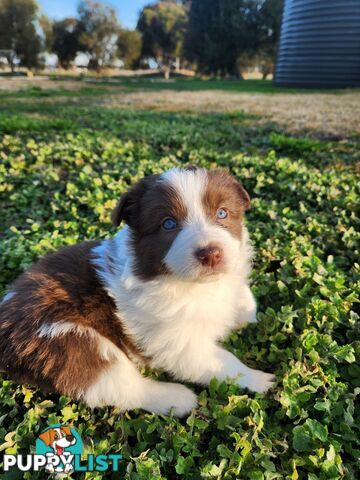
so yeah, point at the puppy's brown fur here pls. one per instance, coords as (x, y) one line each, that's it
(62, 287)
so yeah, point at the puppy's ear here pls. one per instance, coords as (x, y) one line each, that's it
(130, 203)
(46, 437)
(243, 194)
(122, 211)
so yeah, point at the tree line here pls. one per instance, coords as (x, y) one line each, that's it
(213, 37)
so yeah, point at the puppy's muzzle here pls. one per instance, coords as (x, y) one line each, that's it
(210, 257)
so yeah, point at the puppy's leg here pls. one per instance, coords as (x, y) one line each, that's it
(218, 363)
(123, 386)
(246, 308)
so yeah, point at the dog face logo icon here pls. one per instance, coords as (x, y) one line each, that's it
(58, 439)
(59, 443)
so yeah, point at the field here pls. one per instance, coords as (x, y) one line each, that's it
(68, 149)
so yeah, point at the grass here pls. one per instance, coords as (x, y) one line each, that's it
(177, 83)
(156, 82)
(64, 163)
(330, 114)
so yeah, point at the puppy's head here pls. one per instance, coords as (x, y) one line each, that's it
(186, 222)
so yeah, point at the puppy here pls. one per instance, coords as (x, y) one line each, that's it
(163, 292)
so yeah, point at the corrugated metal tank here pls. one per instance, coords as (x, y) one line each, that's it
(319, 44)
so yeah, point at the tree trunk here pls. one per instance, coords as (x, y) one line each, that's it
(94, 64)
(167, 70)
(9, 58)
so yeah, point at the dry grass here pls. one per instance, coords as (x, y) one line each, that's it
(322, 114)
(14, 84)
(329, 115)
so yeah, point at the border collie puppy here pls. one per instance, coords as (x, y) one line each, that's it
(163, 292)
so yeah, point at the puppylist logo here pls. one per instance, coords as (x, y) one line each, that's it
(58, 450)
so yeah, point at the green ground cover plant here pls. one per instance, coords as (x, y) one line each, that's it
(63, 167)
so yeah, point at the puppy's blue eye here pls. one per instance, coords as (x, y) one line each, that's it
(169, 224)
(221, 214)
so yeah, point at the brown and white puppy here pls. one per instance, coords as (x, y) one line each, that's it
(164, 291)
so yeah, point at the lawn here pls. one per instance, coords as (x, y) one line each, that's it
(65, 157)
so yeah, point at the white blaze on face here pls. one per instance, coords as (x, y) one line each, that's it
(197, 231)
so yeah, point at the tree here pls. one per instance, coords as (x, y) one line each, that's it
(218, 32)
(18, 36)
(269, 21)
(129, 47)
(225, 36)
(97, 32)
(163, 27)
(65, 41)
(46, 25)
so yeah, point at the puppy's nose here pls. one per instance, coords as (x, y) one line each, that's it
(70, 438)
(211, 256)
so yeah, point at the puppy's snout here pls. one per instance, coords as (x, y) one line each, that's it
(70, 438)
(211, 256)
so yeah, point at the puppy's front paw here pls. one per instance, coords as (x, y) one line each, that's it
(179, 398)
(247, 316)
(257, 381)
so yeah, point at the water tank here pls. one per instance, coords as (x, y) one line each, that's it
(319, 44)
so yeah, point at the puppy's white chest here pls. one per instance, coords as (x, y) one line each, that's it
(167, 317)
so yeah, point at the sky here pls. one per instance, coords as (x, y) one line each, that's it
(127, 10)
